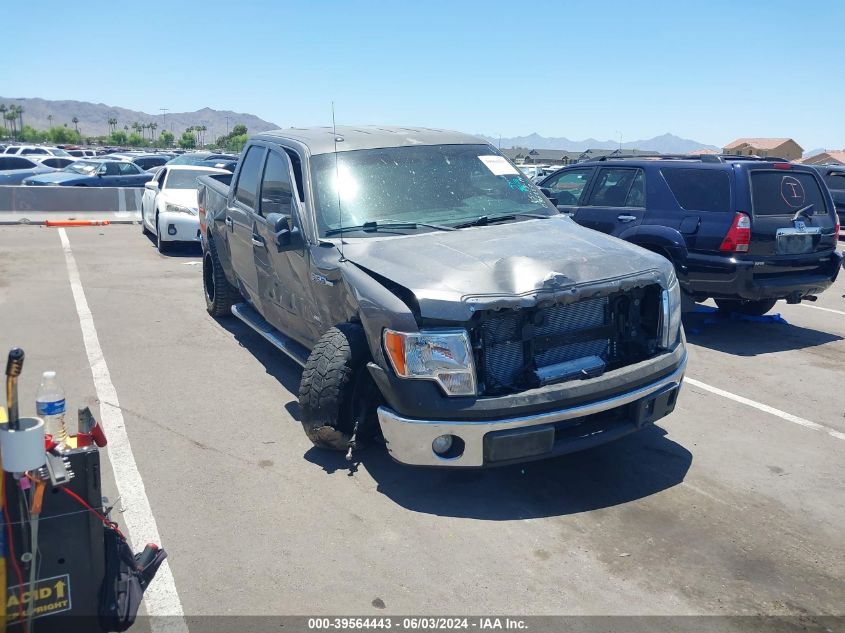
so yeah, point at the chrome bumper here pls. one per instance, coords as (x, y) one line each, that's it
(409, 440)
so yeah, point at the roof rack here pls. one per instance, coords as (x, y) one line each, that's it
(704, 158)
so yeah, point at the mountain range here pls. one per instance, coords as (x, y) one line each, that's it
(665, 143)
(94, 117)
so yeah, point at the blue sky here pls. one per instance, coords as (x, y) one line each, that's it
(708, 70)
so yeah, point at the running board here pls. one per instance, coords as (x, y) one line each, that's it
(291, 348)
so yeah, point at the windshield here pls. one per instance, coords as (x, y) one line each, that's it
(183, 178)
(436, 184)
(82, 167)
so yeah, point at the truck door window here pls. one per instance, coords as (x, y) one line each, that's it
(249, 176)
(276, 193)
(614, 188)
(296, 164)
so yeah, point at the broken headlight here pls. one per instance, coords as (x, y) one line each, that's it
(670, 320)
(442, 355)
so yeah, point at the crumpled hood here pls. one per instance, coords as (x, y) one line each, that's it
(454, 273)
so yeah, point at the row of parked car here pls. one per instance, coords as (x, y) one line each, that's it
(39, 165)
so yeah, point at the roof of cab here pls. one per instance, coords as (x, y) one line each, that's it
(321, 140)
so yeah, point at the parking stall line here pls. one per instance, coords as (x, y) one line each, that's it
(825, 309)
(767, 409)
(161, 597)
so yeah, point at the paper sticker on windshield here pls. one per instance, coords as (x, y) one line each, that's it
(792, 192)
(498, 165)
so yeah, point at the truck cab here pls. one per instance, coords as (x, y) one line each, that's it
(436, 298)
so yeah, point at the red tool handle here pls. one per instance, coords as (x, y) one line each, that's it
(98, 435)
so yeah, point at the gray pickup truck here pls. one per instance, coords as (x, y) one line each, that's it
(436, 299)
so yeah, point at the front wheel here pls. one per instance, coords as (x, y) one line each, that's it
(750, 308)
(337, 390)
(161, 245)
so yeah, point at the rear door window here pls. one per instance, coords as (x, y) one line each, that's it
(699, 189)
(783, 192)
(618, 188)
(249, 176)
(836, 181)
(568, 186)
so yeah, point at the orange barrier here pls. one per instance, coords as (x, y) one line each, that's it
(76, 223)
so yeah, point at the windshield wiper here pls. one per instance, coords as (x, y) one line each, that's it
(373, 226)
(488, 219)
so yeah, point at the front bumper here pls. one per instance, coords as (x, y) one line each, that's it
(531, 436)
(724, 277)
(179, 227)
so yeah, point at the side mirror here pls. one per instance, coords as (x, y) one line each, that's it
(152, 184)
(286, 236)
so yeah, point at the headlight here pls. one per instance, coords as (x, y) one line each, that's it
(176, 208)
(443, 356)
(671, 316)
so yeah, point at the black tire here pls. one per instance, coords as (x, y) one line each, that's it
(751, 308)
(144, 229)
(336, 388)
(161, 245)
(220, 295)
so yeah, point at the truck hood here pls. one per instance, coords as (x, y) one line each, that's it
(453, 274)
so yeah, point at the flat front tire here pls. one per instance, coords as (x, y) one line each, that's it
(332, 381)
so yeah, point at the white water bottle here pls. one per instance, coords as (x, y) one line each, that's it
(50, 405)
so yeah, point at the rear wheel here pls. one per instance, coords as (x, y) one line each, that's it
(220, 295)
(751, 308)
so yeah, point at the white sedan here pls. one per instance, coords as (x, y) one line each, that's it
(169, 205)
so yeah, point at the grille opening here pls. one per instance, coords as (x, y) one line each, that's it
(510, 345)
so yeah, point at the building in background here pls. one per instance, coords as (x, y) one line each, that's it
(829, 157)
(779, 147)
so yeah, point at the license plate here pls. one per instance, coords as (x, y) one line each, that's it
(797, 241)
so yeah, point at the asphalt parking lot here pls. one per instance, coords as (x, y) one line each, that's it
(732, 505)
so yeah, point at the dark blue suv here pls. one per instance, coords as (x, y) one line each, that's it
(743, 231)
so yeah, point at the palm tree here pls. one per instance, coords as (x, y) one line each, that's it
(75, 121)
(20, 115)
(50, 119)
(112, 124)
(153, 127)
(12, 116)
(3, 110)
(202, 129)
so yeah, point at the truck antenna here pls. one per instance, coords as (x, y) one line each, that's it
(337, 185)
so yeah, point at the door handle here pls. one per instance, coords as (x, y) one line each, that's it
(626, 218)
(228, 222)
(257, 241)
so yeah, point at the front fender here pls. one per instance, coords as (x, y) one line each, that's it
(664, 238)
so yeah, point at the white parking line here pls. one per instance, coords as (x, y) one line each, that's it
(161, 597)
(820, 308)
(767, 409)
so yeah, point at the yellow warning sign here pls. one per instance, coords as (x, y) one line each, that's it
(48, 596)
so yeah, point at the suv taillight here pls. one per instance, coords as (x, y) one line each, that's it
(739, 235)
(836, 231)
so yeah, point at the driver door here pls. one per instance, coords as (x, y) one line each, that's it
(148, 200)
(568, 187)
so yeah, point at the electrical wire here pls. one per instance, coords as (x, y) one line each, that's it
(109, 524)
(12, 555)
